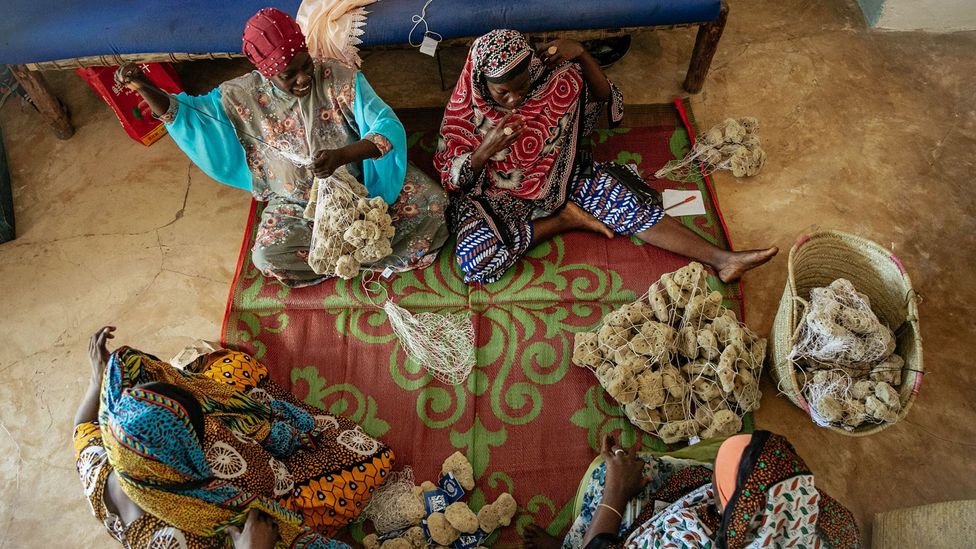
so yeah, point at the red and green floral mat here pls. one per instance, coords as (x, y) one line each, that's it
(527, 418)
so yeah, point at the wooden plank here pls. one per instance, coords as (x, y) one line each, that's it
(47, 104)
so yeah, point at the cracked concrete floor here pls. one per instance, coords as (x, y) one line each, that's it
(870, 132)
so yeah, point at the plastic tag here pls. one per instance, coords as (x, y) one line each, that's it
(693, 440)
(429, 45)
(393, 534)
(451, 488)
(435, 501)
(387, 273)
(470, 541)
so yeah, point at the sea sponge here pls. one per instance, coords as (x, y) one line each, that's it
(887, 395)
(732, 131)
(346, 267)
(642, 416)
(650, 389)
(878, 410)
(724, 423)
(706, 389)
(488, 518)
(586, 349)
(441, 530)
(411, 506)
(748, 397)
(861, 389)
(427, 486)
(829, 408)
(707, 344)
(687, 342)
(726, 329)
(613, 337)
(889, 370)
(678, 295)
(698, 368)
(659, 302)
(460, 467)
(675, 431)
(461, 517)
(673, 411)
(712, 306)
(397, 543)
(371, 541)
(749, 123)
(673, 381)
(757, 353)
(855, 413)
(713, 137)
(506, 506)
(625, 355)
(415, 535)
(623, 389)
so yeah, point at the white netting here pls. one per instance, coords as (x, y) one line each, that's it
(847, 358)
(394, 505)
(442, 343)
(678, 361)
(732, 145)
(349, 229)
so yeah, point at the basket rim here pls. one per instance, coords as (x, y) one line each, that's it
(913, 375)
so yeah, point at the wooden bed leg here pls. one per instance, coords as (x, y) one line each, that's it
(705, 46)
(51, 109)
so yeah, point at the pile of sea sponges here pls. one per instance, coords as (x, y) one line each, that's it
(732, 145)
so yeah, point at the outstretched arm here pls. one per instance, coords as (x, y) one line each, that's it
(98, 354)
(130, 76)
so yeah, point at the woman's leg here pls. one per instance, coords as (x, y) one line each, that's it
(281, 246)
(614, 205)
(671, 235)
(418, 216)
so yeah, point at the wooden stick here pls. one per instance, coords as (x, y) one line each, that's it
(705, 45)
(50, 108)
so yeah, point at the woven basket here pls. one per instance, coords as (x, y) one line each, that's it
(815, 261)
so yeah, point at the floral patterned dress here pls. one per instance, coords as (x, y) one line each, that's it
(279, 133)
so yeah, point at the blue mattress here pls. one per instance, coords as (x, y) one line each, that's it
(32, 31)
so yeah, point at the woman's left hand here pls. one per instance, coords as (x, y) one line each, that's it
(625, 472)
(98, 351)
(557, 51)
(327, 161)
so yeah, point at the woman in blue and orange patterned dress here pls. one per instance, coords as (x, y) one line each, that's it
(216, 452)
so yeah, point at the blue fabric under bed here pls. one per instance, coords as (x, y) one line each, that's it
(33, 31)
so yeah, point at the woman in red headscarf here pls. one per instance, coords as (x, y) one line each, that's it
(273, 130)
(511, 158)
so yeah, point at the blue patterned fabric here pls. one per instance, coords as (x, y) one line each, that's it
(484, 257)
(291, 429)
(158, 428)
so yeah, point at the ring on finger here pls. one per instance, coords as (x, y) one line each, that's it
(508, 131)
(552, 50)
(619, 451)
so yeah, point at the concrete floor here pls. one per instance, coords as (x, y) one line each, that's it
(870, 132)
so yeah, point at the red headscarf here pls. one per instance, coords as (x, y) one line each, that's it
(542, 156)
(271, 40)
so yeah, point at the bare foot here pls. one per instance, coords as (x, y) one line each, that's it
(577, 218)
(738, 263)
(537, 538)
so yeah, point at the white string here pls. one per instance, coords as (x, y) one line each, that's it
(417, 20)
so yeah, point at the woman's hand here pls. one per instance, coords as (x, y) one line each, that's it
(506, 132)
(260, 532)
(625, 473)
(557, 51)
(327, 161)
(130, 76)
(98, 352)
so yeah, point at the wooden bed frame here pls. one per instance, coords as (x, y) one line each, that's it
(56, 115)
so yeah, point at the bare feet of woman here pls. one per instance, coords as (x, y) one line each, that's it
(737, 263)
(577, 218)
(537, 538)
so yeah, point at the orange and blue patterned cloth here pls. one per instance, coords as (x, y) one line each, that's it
(312, 472)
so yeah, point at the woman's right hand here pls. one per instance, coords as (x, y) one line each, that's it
(130, 76)
(625, 472)
(260, 532)
(498, 139)
(98, 352)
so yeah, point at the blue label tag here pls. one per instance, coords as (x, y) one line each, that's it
(423, 526)
(451, 487)
(436, 501)
(470, 541)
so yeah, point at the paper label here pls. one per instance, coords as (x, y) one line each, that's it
(470, 541)
(435, 501)
(387, 273)
(429, 45)
(451, 488)
(693, 440)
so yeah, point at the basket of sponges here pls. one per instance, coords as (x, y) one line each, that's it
(845, 344)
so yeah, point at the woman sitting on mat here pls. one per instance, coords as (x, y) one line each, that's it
(758, 494)
(509, 156)
(186, 458)
(254, 131)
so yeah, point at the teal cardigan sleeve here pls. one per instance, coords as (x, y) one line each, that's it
(382, 176)
(200, 128)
